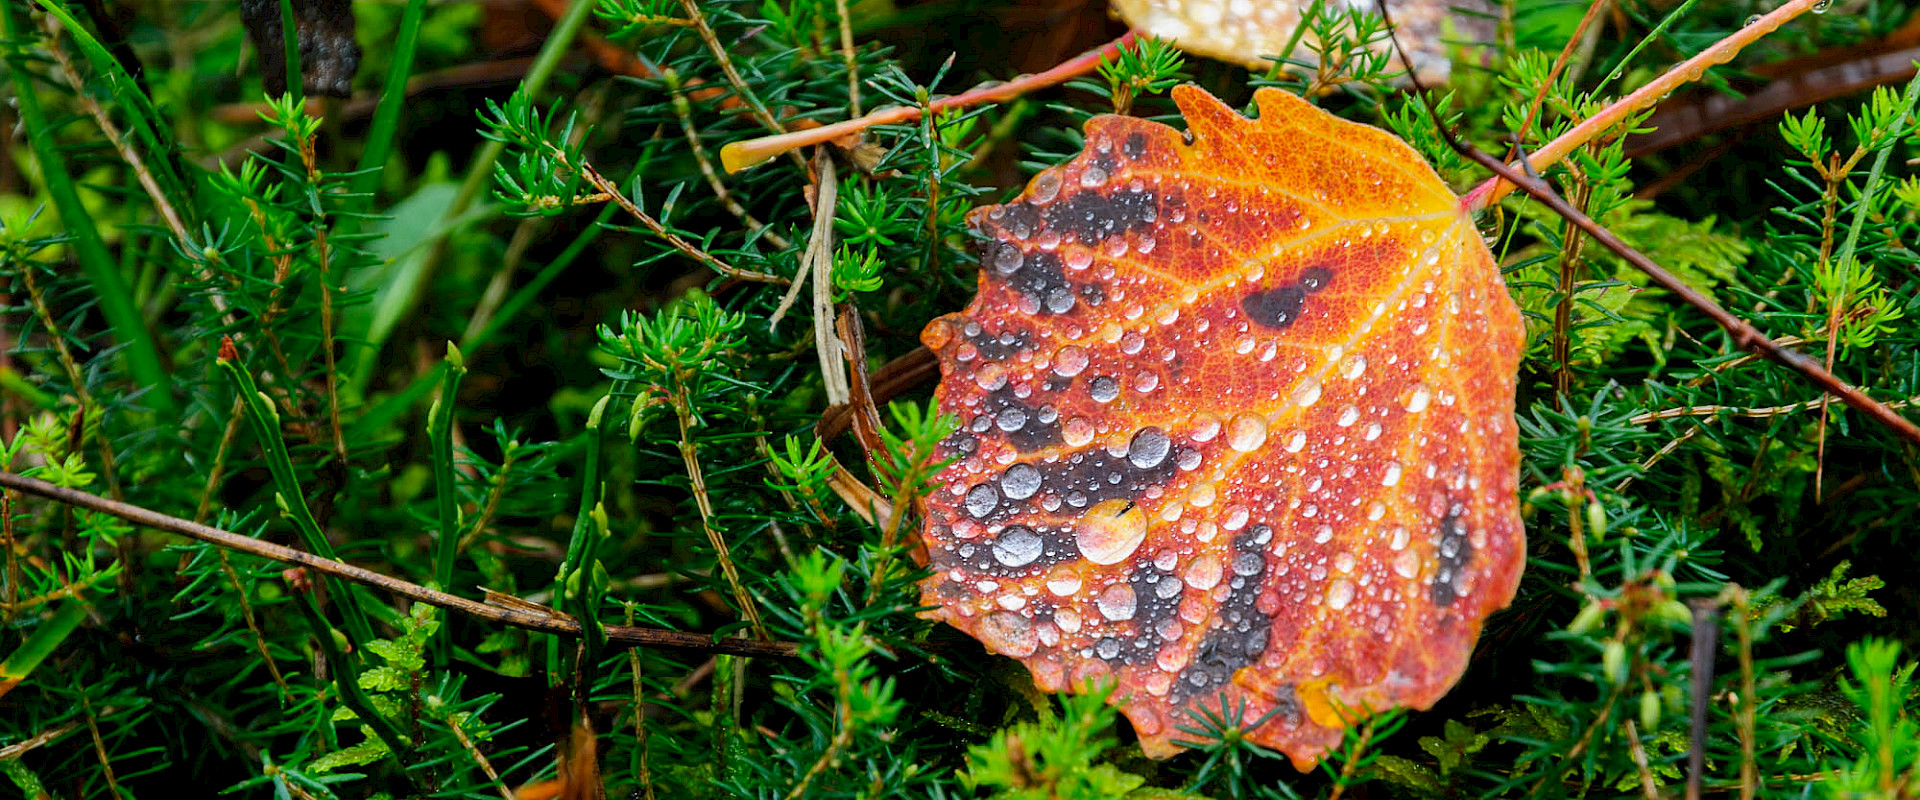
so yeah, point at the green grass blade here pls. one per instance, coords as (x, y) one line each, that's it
(116, 297)
(45, 639)
(393, 96)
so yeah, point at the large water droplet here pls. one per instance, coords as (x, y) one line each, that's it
(1339, 593)
(1117, 602)
(1017, 546)
(1417, 401)
(1307, 393)
(1067, 618)
(1007, 259)
(1246, 432)
(1103, 388)
(1012, 418)
(982, 499)
(1204, 573)
(990, 376)
(1063, 582)
(1046, 186)
(1149, 448)
(1348, 416)
(1110, 531)
(1007, 633)
(1077, 431)
(1092, 177)
(1247, 565)
(1020, 481)
(1070, 361)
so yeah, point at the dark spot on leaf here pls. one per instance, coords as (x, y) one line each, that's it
(1092, 216)
(1242, 634)
(1280, 306)
(1136, 145)
(1454, 549)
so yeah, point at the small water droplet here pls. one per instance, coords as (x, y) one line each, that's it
(1077, 431)
(1067, 618)
(1352, 368)
(1145, 381)
(1307, 393)
(990, 376)
(1246, 432)
(1418, 400)
(1070, 361)
(1007, 259)
(1371, 431)
(1247, 565)
(1339, 594)
(982, 499)
(1348, 416)
(1392, 477)
(1407, 564)
(1205, 427)
(1235, 518)
(1017, 546)
(1204, 573)
(1117, 602)
(1400, 538)
(1753, 19)
(1821, 6)
(1020, 481)
(1063, 582)
(1201, 495)
(1092, 177)
(1149, 448)
(1103, 388)
(1012, 418)
(1296, 441)
(1046, 186)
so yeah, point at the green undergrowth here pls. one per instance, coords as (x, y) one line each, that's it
(529, 342)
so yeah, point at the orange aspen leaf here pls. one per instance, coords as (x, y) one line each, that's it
(1236, 427)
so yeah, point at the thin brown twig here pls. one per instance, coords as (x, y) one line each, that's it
(607, 187)
(740, 87)
(683, 109)
(1559, 63)
(100, 747)
(1648, 788)
(689, 455)
(1744, 334)
(536, 618)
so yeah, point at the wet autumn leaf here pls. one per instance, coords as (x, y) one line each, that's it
(1236, 426)
(1252, 32)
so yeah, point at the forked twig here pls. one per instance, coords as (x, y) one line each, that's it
(525, 615)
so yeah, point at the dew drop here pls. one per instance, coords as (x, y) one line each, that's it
(1117, 602)
(1307, 393)
(1070, 361)
(1353, 367)
(1371, 431)
(1201, 495)
(1012, 418)
(1064, 582)
(1007, 259)
(1204, 573)
(1348, 416)
(1247, 565)
(1103, 388)
(982, 499)
(1017, 546)
(1821, 6)
(1068, 619)
(1146, 381)
(1093, 176)
(1399, 539)
(1417, 401)
(1111, 531)
(1149, 448)
(1393, 474)
(1407, 564)
(1009, 634)
(1246, 432)
(1205, 427)
(1296, 441)
(1077, 431)
(1046, 186)
(1339, 594)
(1020, 481)
(990, 376)
(1322, 534)
(1753, 19)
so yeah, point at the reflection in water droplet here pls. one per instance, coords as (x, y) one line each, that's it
(1247, 565)
(1067, 618)
(1246, 432)
(1012, 418)
(1370, 431)
(1205, 427)
(1117, 602)
(1017, 546)
(1400, 538)
(1149, 448)
(1020, 481)
(1110, 531)
(1407, 564)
